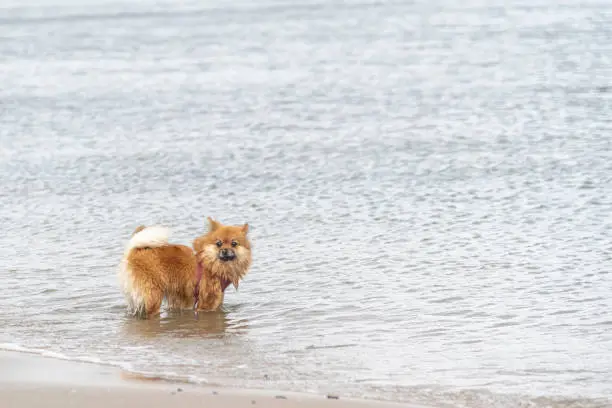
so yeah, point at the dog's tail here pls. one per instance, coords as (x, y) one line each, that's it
(151, 237)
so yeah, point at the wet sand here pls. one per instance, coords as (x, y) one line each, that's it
(28, 381)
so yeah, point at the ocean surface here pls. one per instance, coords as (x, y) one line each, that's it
(428, 185)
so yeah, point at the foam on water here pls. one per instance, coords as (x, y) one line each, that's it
(424, 395)
(59, 356)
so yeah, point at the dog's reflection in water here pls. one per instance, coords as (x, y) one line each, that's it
(187, 324)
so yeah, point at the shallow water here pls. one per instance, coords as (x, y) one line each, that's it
(428, 187)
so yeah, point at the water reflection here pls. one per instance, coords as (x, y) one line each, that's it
(216, 324)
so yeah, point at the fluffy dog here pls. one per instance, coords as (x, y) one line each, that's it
(153, 269)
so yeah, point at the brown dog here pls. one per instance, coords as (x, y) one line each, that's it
(153, 269)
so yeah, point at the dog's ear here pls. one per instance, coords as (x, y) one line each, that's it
(245, 229)
(197, 244)
(213, 225)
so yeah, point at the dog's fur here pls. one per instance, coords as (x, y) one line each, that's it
(153, 269)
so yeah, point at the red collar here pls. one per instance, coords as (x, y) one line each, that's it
(196, 290)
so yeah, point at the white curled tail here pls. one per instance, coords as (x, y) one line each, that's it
(152, 237)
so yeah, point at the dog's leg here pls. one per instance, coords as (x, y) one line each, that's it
(153, 301)
(210, 298)
(171, 301)
(178, 302)
(210, 302)
(181, 298)
(185, 298)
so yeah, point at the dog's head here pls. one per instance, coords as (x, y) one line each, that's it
(225, 251)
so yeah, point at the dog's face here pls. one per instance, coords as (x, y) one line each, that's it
(225, 250)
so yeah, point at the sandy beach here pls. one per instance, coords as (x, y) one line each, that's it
(28, 381)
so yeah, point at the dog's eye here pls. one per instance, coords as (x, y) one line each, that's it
(234, 243)
(219, 243)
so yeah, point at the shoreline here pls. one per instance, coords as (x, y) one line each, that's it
(30, 380)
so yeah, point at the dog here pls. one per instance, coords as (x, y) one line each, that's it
(188, 278)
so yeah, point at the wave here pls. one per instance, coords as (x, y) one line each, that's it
(60, 356)
(125, 366)
(426, 395)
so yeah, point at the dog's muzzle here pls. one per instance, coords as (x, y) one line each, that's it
(227, 254)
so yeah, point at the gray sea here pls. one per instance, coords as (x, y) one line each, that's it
(428, 185)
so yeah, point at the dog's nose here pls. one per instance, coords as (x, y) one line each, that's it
(226, 254)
